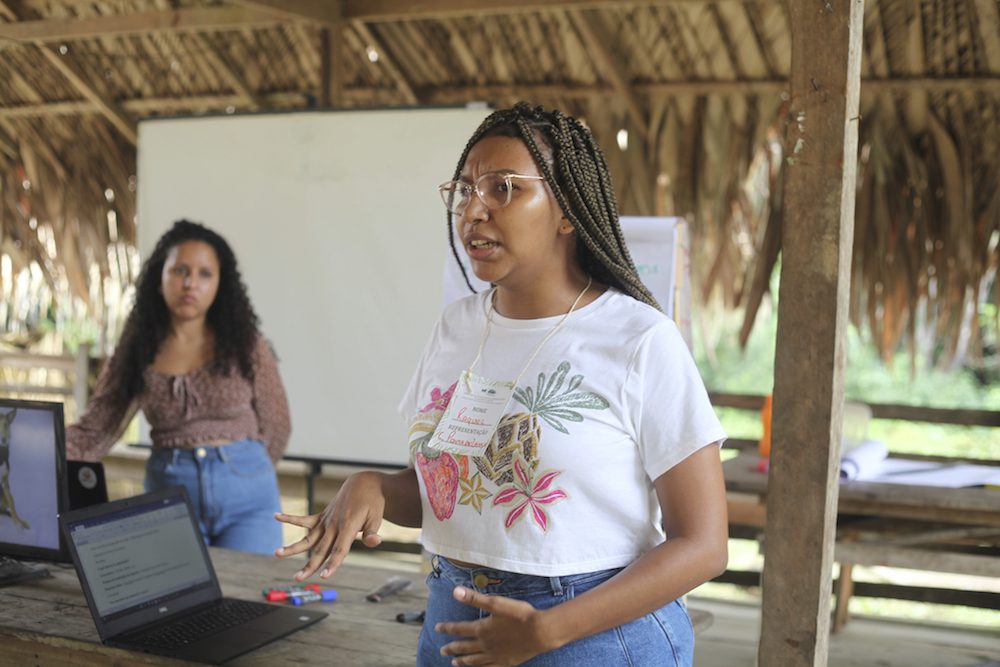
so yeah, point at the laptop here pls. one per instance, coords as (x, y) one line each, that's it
(150, 585)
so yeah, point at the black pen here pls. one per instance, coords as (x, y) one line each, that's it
(411, 616)
(391, 587)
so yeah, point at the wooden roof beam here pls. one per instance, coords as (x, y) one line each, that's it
(986, 84)
(460, 94)
(119, 25)
(149, 105)
(261, 13)
(404, 10)
(104, 104)
(595, 38)
(48, 109)
(321, 11)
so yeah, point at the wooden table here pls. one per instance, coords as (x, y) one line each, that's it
(46, 621)
(897, 525)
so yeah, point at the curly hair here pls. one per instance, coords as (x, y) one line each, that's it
(231, 317)
(577, 173)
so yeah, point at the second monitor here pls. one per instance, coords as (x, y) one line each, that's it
(32, 479)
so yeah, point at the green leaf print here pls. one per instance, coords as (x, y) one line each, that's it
(518, 435)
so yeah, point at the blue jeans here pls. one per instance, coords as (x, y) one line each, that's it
(663, 638)
(233, 490)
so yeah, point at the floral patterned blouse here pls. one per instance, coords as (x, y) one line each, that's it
(185, 411)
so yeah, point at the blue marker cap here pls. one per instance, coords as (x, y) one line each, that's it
(312, 596)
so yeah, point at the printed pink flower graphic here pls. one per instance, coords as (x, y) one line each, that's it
(533, 498)
(439, 401)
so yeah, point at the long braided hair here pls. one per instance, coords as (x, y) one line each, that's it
(231, 318)
(577, 173)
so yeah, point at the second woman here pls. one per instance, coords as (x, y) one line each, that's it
(192, 358)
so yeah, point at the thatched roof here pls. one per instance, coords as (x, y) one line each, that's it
(700, 86)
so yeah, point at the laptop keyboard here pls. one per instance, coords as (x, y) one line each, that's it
(189, 630)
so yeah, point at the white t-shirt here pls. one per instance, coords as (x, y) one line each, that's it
(612, 401)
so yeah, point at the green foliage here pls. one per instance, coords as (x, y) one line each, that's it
(76, 332)
(902, 381)
(727, 368)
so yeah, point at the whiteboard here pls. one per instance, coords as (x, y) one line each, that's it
(340, 235)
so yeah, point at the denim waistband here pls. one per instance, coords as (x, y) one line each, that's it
(207, 452)
(500, 582)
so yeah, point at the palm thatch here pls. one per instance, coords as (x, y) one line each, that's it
(700, 88)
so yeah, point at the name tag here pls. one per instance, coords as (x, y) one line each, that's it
(472, 417)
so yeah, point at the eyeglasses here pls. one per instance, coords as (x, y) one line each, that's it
(494, 189)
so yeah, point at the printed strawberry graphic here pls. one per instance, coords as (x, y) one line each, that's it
(438, 469)
(440, 473)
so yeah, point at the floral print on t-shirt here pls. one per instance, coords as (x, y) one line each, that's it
(507, 475)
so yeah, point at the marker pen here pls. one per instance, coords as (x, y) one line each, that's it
(313, 596)
(293, 587)
(278, 596)
(391, 587)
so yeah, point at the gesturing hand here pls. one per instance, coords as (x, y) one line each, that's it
(491, 640)
(357, 508)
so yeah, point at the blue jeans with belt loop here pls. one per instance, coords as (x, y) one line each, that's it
(662, 638)
(233, 490)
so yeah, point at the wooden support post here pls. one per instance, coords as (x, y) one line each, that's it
(821, 163)
(845, 588)
(325, 65)
(332, 66)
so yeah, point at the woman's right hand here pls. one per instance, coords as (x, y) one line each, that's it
(357, 508)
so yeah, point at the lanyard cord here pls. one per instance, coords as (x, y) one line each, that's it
(550, 334)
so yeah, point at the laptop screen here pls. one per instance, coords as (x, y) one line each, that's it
(140, 556)
(32, 479)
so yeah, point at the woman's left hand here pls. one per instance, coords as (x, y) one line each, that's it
(510, 635)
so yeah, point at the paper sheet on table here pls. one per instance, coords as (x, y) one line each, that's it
(863, 461)
(870, 462)
(934, 473)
